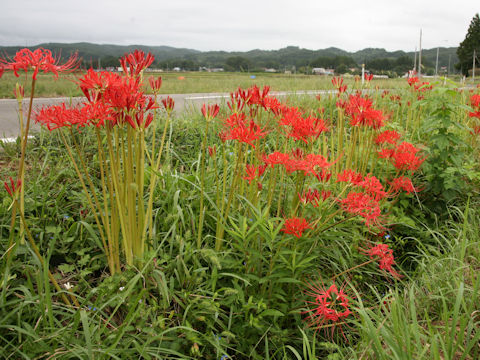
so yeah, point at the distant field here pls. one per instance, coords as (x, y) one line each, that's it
(192, 82)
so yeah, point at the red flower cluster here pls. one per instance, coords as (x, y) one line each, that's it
(13, 187)
(329, 305)
(295, 226)
(300, 128)
(363, 205)
(388, 136)
(210, 111)
(385, 256)
(111, 99)
(361, 112)
(338, 83)
(310, 164)
(254, 172)
(39, 60)
(168, 104)
(155, 84)
(373, 187)
(244, 133)
(133, 64)
(403, 156)
(403, 183)
(368, 77)
(349, 176)
(419, 86)
(475, 103)
(313, 196)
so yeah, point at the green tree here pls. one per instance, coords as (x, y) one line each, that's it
(237, 63)
(467, 46)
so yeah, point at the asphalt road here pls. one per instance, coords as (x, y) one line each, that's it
(9, 124)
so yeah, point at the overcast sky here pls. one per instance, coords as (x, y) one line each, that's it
(239, 25)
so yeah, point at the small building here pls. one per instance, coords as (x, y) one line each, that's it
(319, 71)
(270, 70)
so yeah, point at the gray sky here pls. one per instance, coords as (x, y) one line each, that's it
(239, 25)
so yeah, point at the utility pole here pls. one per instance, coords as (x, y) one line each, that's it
(436, 65)
(363, 74)
(415, 60)
(448, 71)
(420, 57)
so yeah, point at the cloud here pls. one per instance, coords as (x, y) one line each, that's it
(232, 25)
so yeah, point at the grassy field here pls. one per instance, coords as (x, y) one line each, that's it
(190, 82)
(345, 227)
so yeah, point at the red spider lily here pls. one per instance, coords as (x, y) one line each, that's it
(323, 175)
(246, 134)
(13, 187)
(373, 187)
(143, 121)
(210, 112)
(238, 100)
(303, 128)
(330, 306)
(310, 197)
(396, 98)
(212, 151)
(368, 77)
(362, 205)
(476, 128)
(326, 194)
(272, 104)
(236, 119)
(413, 80)
(39, 60)
(58, 116)
(308, 164)
(313, 196)
(342, 89)
(2, 70)
(424, 86)
(385, 93)
(403, 183)
(362, 113)
(349, 176)
(404, 157)
(388, 136)
(19, 92)
(93, 84)
(155, 84)
(133, 64)
(475, 100)
(254, 172)
(475, 114)
(337, 82)
(295, 226)
(124, 95)
(276, 158)
(168, 104)
(385, 257)
(255, 97)
(97, 114)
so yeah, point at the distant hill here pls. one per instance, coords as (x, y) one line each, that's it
(291, 57)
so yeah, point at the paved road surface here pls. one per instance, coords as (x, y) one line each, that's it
(9, 125)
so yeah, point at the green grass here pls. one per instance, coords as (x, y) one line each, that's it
(189, 82)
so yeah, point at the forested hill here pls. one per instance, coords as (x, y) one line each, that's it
(288, 58)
